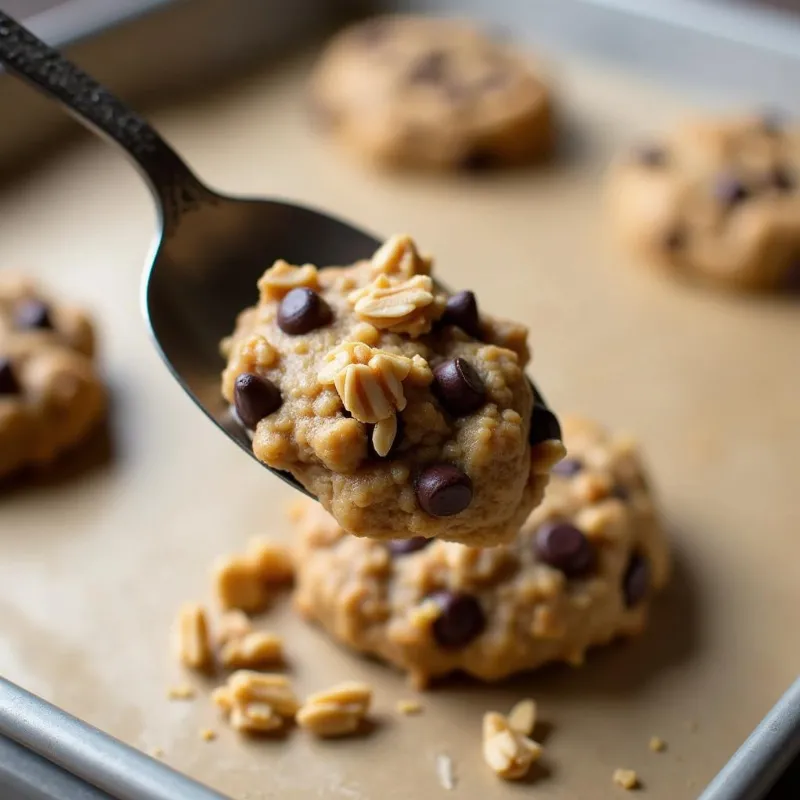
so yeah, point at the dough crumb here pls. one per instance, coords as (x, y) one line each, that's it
(409, 707)
(233, 624)
(207, 735)
(193, 643)
(238, 585)
(273, 562)
(181, 692)
(445, 770)
(338, 711)
(507, 751)
(626, 778)
(657, 745)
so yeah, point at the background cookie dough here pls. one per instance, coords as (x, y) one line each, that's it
(405, 411)
(424, 92)
(715, 199)
(50, 395)
(581, 572)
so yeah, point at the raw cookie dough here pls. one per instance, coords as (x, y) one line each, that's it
(424, 92)
(581, 572)
(404, 411)
(717, 200)
(50, 395)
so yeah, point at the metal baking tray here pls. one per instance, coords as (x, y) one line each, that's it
(717, 50)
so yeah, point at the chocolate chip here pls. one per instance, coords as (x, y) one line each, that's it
(636, 581)
(303, 310)
(651, 155)
(32, 314)
(460, 621)
(782, 180)
(461, 310)
(567, 467)
(402, 547)
(398, 438)
(477, 160)
(429, 69)
(544, 425)
(8, 381)
(443, 490)
(459, 387)
(255, 398)
(676, 239)
(730, 191)
(564, 547)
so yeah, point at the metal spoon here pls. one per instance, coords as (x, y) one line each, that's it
(210, 249)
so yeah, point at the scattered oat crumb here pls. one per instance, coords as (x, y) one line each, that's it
(238, 584)
(156, 752)
(626, 778)
(657, 745)
(181, 692)
(207, 735)
(338, 711)
(522, 717)
(446, 771)
(255, 649)
(192, 639)
(506, 750)
(409, 707)
(233, 624)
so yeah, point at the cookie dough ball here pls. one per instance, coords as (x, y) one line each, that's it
(435, 93)
(716, 200)
(50, 394)
(581, 571)
(405, 411)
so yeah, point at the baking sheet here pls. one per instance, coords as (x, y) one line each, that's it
(97, 561)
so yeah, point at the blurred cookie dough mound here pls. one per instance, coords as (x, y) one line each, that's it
(50, 395)
(432, 93)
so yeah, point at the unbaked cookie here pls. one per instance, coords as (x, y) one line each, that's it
(50, 394)
(717, 200)
(405, 411)
(581, 572)
(425, 92)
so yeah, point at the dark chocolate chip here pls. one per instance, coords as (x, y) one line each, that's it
(32, 314)
(461, 619)
(430, 68)
(443, 490)
(372, 31)
(620, 492)
(564, 547)
(303, 310)
(402, 547)
(636, 581)
(477, 160)
(8, 381)
(398, 438)
(567, 467)
(730, 191)
(772, 122)
(544, 425)
(651, 155)
(782, 179)
(255, 398)
(676, 239)
(459, 387)
(462, 311)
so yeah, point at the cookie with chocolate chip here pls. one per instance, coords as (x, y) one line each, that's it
(432, 93)
(50, 394)
(716, 200)
(404, 410)
(582, 571)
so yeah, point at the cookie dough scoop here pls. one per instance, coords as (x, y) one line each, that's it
(209, 249)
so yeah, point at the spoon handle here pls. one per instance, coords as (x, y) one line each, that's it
(175, 187)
